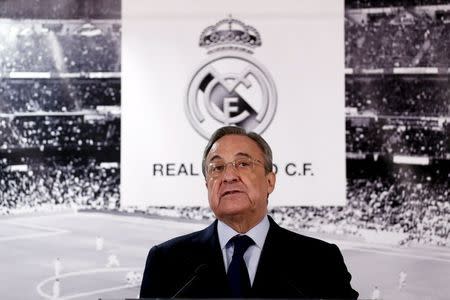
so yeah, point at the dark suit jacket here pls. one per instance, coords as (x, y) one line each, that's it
(291, 266)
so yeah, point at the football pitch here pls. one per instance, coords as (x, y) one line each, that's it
(30, 244)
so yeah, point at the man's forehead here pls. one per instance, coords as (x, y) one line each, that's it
(234, 145)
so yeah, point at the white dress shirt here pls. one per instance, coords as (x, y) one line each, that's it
(253, 253)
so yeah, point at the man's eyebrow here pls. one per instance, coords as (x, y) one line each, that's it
(243, 154)
(215, 157)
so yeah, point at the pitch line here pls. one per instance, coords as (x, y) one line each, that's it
(389, 250)
(422, 257)
(113, 289)
(30, 236)
(52, 231)
(139, 220)
(35, 226)
(85, 272)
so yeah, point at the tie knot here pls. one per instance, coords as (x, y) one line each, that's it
(241, 244)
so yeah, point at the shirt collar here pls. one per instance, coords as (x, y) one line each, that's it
(258, 233)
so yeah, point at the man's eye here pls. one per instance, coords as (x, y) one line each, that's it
(243, 164)
(217, 168)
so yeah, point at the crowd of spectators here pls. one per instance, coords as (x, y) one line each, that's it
(416, 141)
(47, 183)
(406, 201)
(26, 49)
(57, 9)
(399, 95)
(94, 54)
(59, 136)
(363, 138)
(397, 39)
(47, 121)
(419, 209)
(398, 136)
(355, 4)
(57, 95)
(65, 132)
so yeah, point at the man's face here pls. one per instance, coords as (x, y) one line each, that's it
(235, 193)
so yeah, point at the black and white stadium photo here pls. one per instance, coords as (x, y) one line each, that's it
(225, 149)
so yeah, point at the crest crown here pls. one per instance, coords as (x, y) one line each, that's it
(230, 34)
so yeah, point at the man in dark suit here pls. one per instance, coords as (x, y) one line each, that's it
(244, 253)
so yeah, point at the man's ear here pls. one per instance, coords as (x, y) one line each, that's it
(271, 179)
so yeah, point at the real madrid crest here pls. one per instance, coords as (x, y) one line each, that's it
(231, 87)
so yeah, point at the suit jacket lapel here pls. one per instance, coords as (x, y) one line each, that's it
(267, 263)
(271, 278)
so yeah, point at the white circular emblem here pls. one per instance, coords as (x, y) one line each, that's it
(231, 89)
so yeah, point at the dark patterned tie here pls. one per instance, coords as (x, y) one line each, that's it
(237, 271)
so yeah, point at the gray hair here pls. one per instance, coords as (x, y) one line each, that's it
(233, 130)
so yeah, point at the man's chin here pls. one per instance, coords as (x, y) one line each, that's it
(233, 213)
(232, 205)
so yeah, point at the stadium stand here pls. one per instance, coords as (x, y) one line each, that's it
(358, 4)
(399, 36)
(61, 131)
(45, 46)
(59, 105)
(418, 95)
(61, 10)
(44, 183)
(397, 121)
(57, 95)
(398, 136)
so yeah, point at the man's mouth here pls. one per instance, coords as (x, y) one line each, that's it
(230, 193)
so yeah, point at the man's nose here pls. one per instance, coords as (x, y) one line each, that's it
(230, 173)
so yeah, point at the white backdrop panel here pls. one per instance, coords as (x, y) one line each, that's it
(302, 50)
